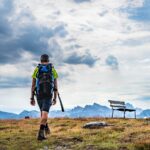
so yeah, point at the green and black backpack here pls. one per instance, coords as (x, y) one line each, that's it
(45, 81)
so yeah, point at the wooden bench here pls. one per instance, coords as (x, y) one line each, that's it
(120, 106)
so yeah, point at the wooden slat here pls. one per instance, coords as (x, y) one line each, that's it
(119, 106)
(116, 102)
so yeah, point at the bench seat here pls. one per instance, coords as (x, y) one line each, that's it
(126, 109)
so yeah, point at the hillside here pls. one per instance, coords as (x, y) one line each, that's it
(68, 134)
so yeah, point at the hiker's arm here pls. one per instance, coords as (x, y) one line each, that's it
(32, 91)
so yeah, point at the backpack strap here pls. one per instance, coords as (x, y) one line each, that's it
(39, 67)
(50, 65)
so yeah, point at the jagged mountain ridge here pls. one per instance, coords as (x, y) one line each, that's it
(94, 110)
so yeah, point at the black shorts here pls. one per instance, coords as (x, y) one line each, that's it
(44, 104)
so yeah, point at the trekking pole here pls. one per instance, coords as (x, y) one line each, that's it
(61, 104)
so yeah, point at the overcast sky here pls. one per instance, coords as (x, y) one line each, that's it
(100, 49)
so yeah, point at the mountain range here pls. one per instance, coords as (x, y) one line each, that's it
(94, 110)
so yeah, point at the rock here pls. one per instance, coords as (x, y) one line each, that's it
(92, 125)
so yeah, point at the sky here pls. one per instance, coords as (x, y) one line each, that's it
(100, 49)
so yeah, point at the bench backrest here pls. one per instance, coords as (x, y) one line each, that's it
(114, 103)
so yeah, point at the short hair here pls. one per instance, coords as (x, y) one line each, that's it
(44, 58)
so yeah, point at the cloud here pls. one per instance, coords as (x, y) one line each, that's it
(11, 42)
(16, 36)
(6, 8)
(81, 1)
(73, 46)
(145, 98)
(34, 38)
(65, 33)
(112, 62)
(86, 59)
(31, 38)
(141, 13)
(103, 13)
(136, 41)
(14, 82)
(60, 30)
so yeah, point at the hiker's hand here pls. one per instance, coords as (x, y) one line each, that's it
(54, 102)
(32, 102)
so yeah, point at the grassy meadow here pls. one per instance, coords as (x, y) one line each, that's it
(68, 134)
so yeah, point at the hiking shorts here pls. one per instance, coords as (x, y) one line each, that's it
(44, 104)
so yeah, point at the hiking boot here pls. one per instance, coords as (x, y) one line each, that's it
(41, 135)
(47, 129)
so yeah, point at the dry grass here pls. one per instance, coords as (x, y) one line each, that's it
(68, 134)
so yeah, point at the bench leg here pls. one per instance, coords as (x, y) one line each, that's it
(112, 113)
(124, 114)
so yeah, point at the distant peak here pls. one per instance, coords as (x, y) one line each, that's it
(96, 104)
(128, 105)
(77, 107)
(24, 111)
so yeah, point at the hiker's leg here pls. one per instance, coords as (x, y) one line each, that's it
(39, 102)
(47, 129)
(46, 107)
(44, 117)
(46, 104)
(46, 125)
(41, 133)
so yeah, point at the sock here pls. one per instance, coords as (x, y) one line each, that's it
(46, 126)
(42, 127)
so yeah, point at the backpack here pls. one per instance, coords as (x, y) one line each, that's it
(45, 81)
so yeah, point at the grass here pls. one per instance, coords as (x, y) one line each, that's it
(68, 134)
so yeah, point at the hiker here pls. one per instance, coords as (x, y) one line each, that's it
(44, 83)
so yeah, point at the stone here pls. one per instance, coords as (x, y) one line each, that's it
(92, 125)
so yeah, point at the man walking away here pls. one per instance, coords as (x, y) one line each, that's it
(44, 83)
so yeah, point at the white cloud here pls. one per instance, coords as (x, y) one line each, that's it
(102, 28)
